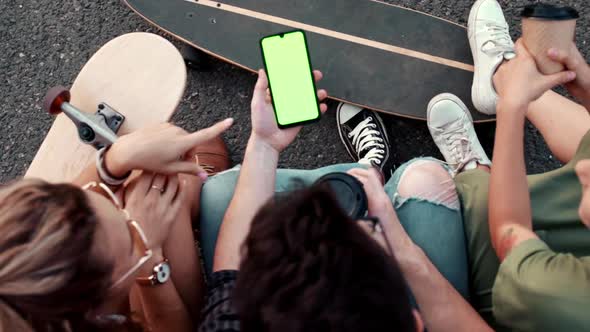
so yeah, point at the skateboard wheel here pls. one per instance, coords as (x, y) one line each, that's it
(195, 58)
(54, 98)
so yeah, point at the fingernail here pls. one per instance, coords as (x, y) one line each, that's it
(203, 176)
(552, 52)
(229, 121)
(571, 75)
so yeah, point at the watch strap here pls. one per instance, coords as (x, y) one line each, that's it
(152, 280)
(146, 281)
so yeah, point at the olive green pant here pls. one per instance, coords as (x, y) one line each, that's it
(555, 198)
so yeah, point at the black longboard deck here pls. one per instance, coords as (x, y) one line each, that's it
(375, 55)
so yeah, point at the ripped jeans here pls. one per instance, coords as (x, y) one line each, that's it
(430, 214)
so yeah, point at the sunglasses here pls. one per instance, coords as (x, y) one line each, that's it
(138, 238)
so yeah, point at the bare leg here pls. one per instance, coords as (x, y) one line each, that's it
(429, 209)
(428, 180)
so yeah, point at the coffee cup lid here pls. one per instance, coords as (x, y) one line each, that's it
(549, 12)
(349, 192)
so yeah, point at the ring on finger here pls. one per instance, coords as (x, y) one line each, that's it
(161, 190)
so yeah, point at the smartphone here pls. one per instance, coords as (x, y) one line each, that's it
(290, 78)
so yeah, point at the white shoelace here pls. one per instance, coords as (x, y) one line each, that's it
(456, 139)
(365, 137)
(500, 38)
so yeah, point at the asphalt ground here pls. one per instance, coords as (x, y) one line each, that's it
(45, 43)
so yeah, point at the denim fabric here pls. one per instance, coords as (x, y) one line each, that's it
(436, 227)
(219, 190)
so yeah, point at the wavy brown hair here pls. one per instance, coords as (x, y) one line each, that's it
(49, 277)
(308, 267)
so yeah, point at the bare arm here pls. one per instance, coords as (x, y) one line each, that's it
(441, 306)
(256, 183)
(161, 305)
(255, 186)
(161, 206)
(157, 212)
(161, 148)
(519, 84)
(510, 217)
(179, 249)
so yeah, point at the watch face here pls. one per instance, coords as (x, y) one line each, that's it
(162, 272)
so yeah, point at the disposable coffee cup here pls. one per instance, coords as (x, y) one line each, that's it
(547, 26)
(349, 192)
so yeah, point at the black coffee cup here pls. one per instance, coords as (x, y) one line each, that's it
(349, 192)
(546, 11)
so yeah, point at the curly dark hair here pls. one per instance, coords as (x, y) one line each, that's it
(308, 267)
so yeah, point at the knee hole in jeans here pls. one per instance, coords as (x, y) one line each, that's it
(430, 181)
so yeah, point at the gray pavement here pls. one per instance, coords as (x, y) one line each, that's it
(45, 43)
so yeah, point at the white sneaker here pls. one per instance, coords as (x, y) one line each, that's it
(451, 127)
(491, 44)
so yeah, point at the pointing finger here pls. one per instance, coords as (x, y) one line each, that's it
(207, 134)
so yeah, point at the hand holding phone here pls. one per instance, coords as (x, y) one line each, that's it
(264, 124)
(291, 82)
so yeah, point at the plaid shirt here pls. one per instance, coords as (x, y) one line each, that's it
(219, 314)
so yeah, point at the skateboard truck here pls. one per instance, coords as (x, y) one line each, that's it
(98, 129)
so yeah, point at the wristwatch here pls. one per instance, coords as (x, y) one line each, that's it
(160, 274)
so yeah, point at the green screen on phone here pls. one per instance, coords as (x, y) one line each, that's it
(290, 77)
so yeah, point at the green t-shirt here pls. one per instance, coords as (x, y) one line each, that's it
(537, 289)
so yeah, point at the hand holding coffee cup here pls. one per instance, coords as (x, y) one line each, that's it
(348, 191)
(544, 27)
(573, 60)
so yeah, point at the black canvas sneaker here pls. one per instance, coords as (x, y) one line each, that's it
(364, 135)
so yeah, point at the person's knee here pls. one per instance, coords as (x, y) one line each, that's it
(428, 180)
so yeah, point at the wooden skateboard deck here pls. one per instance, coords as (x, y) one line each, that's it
(141, 75)
(379, 56)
